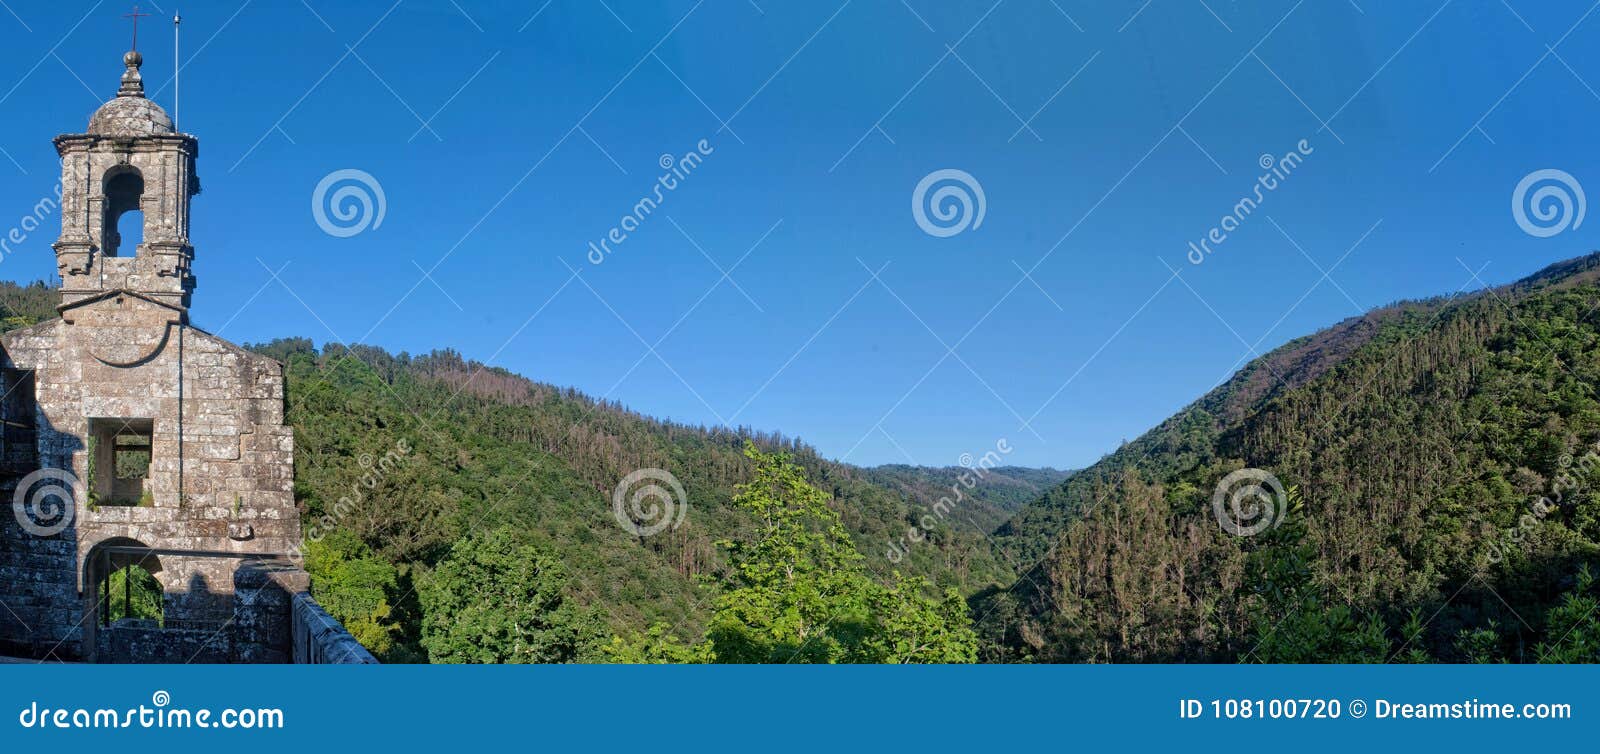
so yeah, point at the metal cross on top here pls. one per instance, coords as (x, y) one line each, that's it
(135, 15)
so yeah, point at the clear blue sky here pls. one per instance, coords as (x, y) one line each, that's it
(545, 123)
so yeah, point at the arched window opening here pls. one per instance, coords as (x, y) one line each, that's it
(124, 220)
(132, 593)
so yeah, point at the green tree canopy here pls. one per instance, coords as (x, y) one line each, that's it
(355, 586)
(494, 599)
(799, 593)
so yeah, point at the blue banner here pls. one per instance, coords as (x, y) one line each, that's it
(810, 709)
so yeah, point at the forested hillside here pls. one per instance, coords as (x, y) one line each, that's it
(1441, 462)
(486, 449)
(23, 305)
(399, 459)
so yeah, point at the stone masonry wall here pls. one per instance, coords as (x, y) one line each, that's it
(221, 471)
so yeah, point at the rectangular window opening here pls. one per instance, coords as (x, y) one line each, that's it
(119, 462)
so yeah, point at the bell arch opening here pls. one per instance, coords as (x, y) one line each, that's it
(123, 226)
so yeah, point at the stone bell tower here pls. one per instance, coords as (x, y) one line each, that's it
(130, 161)
(129, 438)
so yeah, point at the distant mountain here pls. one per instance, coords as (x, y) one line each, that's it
(1417, 441)
(995, 498)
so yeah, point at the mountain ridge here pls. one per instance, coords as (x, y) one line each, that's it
(1378, 419)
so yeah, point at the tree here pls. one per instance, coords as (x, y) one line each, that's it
(916, 628)
(1573, 632)
(496, 600)
(354, 585)
(800, 594)
(408, 489)
(1293, 620)
(657, 646)
(134, 594)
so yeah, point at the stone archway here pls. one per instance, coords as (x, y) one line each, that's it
(106, 557)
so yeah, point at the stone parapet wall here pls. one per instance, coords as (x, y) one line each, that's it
(319, 639)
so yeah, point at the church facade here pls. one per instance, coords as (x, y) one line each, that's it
(131, 437)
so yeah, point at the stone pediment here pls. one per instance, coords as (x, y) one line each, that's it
(121, 328)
